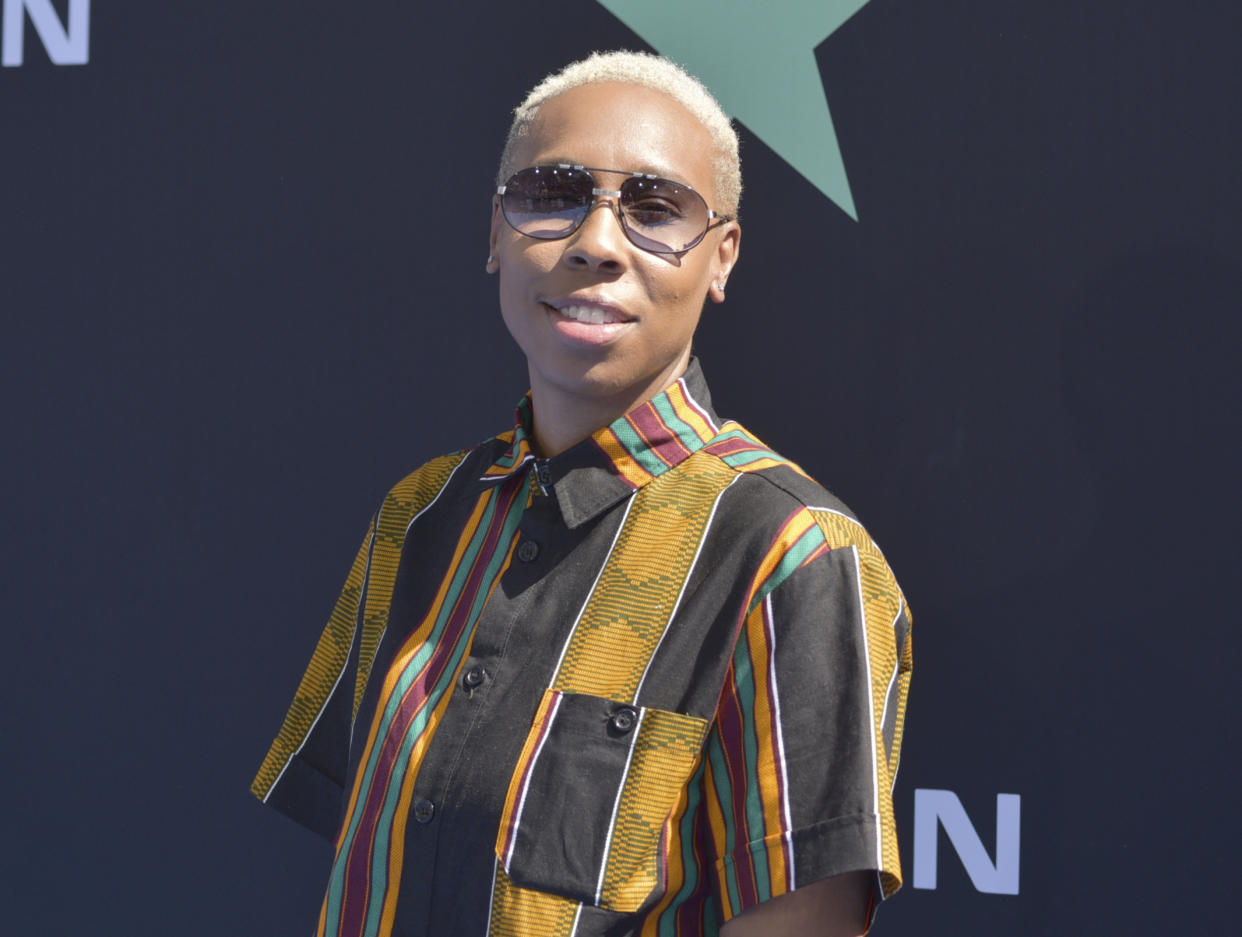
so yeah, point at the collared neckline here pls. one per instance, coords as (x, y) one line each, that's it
(620, 458)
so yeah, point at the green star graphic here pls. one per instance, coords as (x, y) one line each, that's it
(759, 60)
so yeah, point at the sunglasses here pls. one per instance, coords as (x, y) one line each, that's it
(552, 202)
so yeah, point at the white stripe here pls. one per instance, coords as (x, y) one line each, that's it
(676, 605)
(577, 917)
(875, 764)
(380, 639)
(508, 472)
(408, 527)
(443, 488)
(302, 744)
(582, 611)
(852, 520)
(616, 805)
(491, 900)
(697, 406)
(783, 777)
(530, 771)
(811, 507)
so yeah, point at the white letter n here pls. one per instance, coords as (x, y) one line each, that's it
(932, 806)
(65, 45)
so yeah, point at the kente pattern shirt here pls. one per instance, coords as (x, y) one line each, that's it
(636, 688)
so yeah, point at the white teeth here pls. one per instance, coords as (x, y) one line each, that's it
(592, 315)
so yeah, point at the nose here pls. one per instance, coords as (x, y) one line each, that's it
(600, 241)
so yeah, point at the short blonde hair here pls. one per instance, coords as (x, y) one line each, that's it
(652, 71)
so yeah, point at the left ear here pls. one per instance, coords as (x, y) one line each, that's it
(493, 262)
(725, 255)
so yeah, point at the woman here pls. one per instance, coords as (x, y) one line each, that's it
(614, 671)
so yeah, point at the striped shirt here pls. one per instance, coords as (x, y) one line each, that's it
(636, 688)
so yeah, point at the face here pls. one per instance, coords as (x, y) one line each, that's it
(604, 324)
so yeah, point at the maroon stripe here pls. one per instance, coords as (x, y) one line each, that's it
(658, 435)
(689, 916)
(730, 721)
(733, 446)
(358, 869)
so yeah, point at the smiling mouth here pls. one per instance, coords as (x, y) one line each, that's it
(592, 315)
(589, 313)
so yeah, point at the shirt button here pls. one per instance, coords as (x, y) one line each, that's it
(424, 810)
(473, 677)
(528, 551)
(623, 720)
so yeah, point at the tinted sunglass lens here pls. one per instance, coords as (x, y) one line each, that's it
(547, 202)
(661, 215)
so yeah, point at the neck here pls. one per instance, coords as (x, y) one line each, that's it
(563, 419)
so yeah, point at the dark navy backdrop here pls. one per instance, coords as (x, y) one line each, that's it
(241, 278)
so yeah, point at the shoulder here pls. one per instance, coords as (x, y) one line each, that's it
(771, 481)
(772, 489)
(439, 477)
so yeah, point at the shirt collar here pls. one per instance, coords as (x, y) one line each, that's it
(622, 457)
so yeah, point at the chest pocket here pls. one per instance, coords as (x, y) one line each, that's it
(595, 784)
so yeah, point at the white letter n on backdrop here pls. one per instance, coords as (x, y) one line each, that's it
(66, 44)
(932, 807)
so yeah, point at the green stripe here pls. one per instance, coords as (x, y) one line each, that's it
(724, 793)
(803, 547)
(685, 432)
(756, 823)
(639, 451)
(667, 925)
(739, 459)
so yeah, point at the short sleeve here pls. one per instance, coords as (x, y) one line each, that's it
(803, 751)
(304, 773)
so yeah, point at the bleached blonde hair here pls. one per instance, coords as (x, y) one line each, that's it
(652, 71)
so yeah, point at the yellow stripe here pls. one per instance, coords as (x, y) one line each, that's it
(626, 615)
(667, 747)
(882, 602)
(798, 525)
(630, 470)
(405, 500)
(410, 496)
(767, 463)
(689, 415)
(523, 764)
(520, 912)
(331, 655)
(675, 871)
